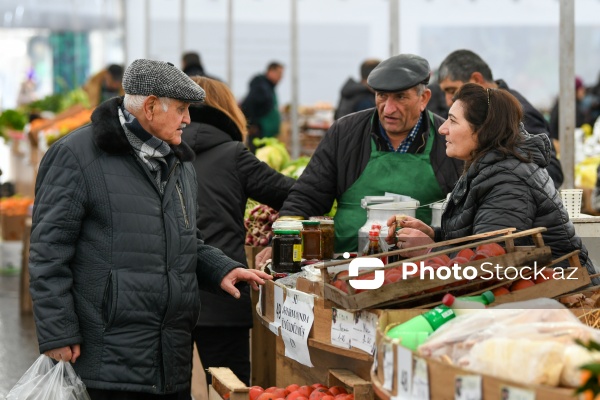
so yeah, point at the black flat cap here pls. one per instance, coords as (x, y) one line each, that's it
(161, 79)
(398, 73)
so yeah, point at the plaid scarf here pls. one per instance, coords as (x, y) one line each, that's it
(150, 149)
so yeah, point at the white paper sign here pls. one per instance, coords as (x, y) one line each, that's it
(404, 370)
(342, 324)
(420, 383)
(277, 303)
(388, 366)
(297, 317)
(363, 332)
(513, 393)
(467, 387)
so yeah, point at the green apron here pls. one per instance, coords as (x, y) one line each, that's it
(402, 173)
(270, 123)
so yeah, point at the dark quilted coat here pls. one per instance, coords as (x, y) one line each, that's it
(497, 193)
(228, 173)
(114, 265)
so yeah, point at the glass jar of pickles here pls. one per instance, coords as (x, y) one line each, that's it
(327, 239)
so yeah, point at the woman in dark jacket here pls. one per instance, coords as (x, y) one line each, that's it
(228, 174)
(505, 182)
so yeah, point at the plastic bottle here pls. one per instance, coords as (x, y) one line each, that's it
(467, 304)
(373, 245)
(415, 331)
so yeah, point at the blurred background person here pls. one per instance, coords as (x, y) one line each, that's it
(437, 104)
(261, 107)
(580, 114)
(463, 66)
(105, 84)
(357, 96)
(191, 64)
(228, 174)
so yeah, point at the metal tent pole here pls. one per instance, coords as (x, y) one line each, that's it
(294, 75)
(566, 116)
(394, 27)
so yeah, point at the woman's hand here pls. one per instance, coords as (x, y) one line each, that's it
(404, 221)
(410, 237)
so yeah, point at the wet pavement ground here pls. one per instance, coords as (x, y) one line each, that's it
(18, 341)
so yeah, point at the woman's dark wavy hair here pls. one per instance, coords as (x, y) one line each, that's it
(494, 116)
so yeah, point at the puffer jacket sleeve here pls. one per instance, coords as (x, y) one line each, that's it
(315, 191)
(261, 182)
(57, 216)
(503, 200)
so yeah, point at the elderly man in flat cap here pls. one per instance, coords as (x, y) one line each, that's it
(116, 260)
(394, 147)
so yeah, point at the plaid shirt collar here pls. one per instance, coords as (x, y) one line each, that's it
(405, 145)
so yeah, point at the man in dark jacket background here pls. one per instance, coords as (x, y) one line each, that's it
(116, 259)
(357, 96)
(191, 65)
(462, 66)
(261, 107)
(394, 147)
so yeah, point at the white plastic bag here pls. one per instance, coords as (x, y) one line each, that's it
(46, 381)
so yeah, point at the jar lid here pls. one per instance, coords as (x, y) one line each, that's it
(326, 221)
(291, 218)
(286, 232)
(311, 223)
(287, 225)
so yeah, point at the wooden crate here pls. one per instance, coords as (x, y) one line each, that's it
(225, 385)
(415, 292)
(441, 375)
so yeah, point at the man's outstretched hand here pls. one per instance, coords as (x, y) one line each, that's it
(254, 278)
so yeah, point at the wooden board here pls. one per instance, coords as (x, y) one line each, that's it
(262, 350)
(290, 371)
(224, 381)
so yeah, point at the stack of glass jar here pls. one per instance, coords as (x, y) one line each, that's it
(314, 237)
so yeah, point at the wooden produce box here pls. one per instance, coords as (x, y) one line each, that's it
(416, 292)
(441, 375)
(12, 227)
(225, 385)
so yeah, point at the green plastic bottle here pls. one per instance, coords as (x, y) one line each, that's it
(415, 331)
(480, 301)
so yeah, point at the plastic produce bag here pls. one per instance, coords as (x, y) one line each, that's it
(527, 342)
(46, 381)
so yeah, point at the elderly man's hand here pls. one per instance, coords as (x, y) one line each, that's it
(67, 353)
(254, 278)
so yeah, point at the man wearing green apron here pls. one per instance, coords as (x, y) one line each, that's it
(394, 147)
(260, 105)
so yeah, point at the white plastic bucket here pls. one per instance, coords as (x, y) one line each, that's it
(436, 214)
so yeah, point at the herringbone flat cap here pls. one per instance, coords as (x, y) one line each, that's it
(161, 79)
